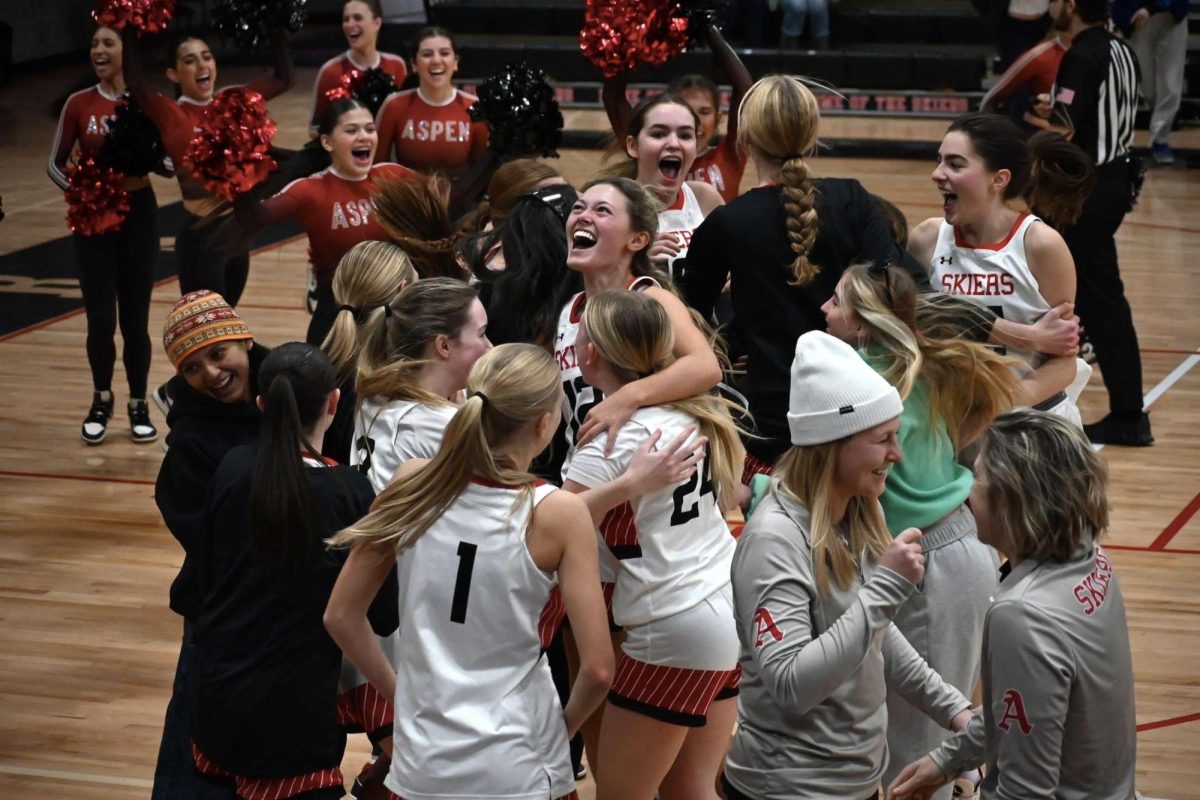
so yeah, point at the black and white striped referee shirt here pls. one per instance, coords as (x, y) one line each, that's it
(1097, 92)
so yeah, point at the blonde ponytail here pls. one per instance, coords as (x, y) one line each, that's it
(511, 387)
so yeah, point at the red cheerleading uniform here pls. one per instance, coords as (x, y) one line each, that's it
(427, 136)
(84, 119)
(331, 73)
(336, 213)
(720, 166)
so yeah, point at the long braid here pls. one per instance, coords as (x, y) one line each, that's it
(799, 202)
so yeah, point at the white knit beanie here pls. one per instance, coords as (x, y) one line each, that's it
(835, 393)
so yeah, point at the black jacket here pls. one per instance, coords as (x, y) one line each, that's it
(203, 430)
(266, 671)
(748, 238)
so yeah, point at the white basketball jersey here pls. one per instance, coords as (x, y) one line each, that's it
(683, 217)
(579, 398)
(389, 432)
(992, 275)
(477, 715)
(673, 547)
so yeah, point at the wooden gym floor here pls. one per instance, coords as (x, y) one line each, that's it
(88, 645)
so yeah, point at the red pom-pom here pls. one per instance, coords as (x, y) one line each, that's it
(148, 16)
(231, 154)
(96, 202)
(618, 34)
(339, 92)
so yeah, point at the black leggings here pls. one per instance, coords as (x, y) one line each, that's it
(203, 265)
(323, 315)
(116, 276)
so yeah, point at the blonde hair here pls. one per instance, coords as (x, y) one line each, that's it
(1046, 487)
(779, 117)
(399, 334)
(807, 474)
(511, 387)
(368, 277)
(964, 379)
(633, 334)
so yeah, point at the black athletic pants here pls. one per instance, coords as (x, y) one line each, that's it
(323, 315)
(202, 265)
(116, 276)
(1100, 294)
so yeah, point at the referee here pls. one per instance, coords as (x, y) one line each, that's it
(1094, 102)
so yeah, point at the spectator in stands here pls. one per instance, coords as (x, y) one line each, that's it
(1157, 29)
(1031, 74)
(1024, 25)
(795, 13)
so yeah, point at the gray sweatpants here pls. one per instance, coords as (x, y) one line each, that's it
(1161, 48)
(943, 621)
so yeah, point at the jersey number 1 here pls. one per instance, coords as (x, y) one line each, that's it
(462, 586)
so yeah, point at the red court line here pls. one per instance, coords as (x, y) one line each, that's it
(1169, 351)
(92, 478)
(37, 326)
(1176, 525)
(1166, 723)
(1141, 549)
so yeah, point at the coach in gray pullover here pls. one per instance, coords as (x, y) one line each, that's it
(816, 660)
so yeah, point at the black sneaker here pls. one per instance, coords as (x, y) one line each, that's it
(1127, 432)
(162, 398)
(95, 426)
(141, 429)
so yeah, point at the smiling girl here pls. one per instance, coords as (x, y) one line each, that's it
(660, 144)
(361, 22)
(193, 69)
(429, 127)
(116, 269)
(333, 205)
(817, 579)
(996, 255)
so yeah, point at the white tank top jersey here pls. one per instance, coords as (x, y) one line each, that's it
(389, 432)
(673, 547)
(993, 275)
(579, 397)
(477, 714)
(683, 217)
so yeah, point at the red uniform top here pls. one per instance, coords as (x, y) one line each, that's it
(429, 136)
(721, 167)
(336, 213)
(1037, 67)
(84, 120)
(178, 122)
(330, 77)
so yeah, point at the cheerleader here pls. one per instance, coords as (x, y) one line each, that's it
(479, 545)
(817, 579)
(997, 256)
(718, 163)
(671, 708)
(116, 268)
(782, 245)
(368, 277)
(417, 353)
(361, 22)
(609, 233)
(266, 715)
(428, 128)
(333, 205)
(660, 143)
(202, 262)
(952, 389)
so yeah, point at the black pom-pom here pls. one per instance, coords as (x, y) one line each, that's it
(249, 23)
(132, 145)
(700, 15)
(521, 113)
(370, 88)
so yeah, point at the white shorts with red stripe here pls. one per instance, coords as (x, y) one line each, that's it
(674, 668)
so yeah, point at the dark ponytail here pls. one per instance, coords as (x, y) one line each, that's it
(295, 380)
(1063, 177)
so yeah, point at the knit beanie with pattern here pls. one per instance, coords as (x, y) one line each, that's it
(198, 320)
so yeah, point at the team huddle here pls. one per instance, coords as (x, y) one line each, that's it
(775, 483)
